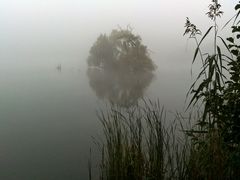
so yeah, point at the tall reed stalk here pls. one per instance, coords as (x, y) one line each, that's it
(140, 144)
(216, 137)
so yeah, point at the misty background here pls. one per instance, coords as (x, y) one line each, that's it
(48, 117)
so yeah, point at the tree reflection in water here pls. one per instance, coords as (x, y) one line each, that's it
(120, 68)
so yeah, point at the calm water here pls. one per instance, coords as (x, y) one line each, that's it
(47, 117)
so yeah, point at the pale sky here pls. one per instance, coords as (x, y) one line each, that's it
(34, 30)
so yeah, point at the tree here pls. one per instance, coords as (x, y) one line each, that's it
(120, 67)
(120, 50)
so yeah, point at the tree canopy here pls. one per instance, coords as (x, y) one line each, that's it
(120, 67)
(120, 50)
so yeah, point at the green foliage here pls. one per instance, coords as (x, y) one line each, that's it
(229, 113)
(120, 67)
(210, 82)
(120, 50)
(102, 52)
(217, 87)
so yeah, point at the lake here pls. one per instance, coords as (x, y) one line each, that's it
(48, 115)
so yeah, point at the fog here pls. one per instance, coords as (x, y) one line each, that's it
(41, 33)
(48, 115)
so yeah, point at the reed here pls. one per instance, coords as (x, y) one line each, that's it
(140, 144)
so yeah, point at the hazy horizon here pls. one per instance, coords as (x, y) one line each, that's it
(46, 33)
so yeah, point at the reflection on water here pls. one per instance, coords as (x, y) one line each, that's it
(121, 88)
(120, 67)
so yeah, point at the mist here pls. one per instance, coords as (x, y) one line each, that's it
(41, 33)
(49, 93)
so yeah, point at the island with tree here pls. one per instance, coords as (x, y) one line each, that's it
(120, 67)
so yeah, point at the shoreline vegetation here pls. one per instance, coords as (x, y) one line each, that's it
(139, 144)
